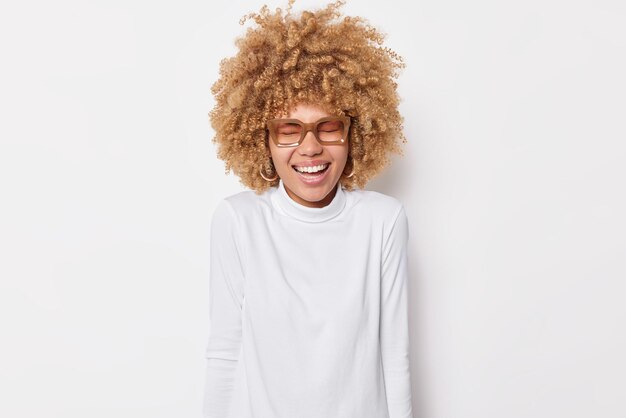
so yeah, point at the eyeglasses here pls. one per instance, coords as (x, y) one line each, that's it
(290, 132)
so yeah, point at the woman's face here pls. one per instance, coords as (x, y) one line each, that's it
(313, 190)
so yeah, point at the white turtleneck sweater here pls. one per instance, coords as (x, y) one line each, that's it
(308, 308)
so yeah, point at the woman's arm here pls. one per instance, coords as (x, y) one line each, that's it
(394, 329)
(226, 278)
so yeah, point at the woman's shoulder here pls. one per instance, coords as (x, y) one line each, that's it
(383, 210)
(244, 201)
(377, 202)
(245, 198)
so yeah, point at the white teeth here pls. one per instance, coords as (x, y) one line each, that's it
(313, 169)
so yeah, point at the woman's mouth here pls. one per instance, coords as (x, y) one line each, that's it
(312, 175)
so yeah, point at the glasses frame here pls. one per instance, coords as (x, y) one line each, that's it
(272, 124)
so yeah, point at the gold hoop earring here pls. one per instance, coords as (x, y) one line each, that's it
(352, 172)
(268, 179)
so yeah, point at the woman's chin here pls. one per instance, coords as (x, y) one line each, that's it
(309, 194)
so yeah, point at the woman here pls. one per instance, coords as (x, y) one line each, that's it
(308, 271)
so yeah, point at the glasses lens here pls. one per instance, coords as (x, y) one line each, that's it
(331, 130)
(288, 133)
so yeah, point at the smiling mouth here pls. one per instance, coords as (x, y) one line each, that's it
(312, 171)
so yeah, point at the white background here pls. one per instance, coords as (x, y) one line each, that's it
(513, 178)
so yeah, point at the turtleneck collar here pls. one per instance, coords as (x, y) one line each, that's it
(290, 207)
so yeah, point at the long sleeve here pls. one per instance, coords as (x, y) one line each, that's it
(226, 284)
(394, 329)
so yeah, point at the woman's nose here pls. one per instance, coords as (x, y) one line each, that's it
(310, 145)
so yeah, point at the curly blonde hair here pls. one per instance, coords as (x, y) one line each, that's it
(316, 58)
